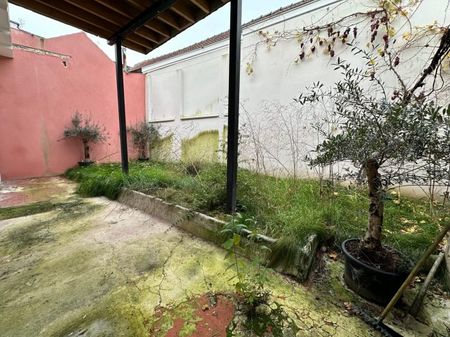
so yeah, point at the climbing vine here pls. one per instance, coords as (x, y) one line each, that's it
(384, 34)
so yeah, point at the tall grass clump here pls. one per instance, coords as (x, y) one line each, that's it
(99, 180)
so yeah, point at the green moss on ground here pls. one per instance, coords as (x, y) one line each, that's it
(95, 268)
(41, 230)
(30, 209)
(284, 208)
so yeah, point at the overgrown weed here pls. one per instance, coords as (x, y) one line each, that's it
(285, 208)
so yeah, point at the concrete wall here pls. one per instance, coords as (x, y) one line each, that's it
(40, 89)
(5, 31)
(276, 132)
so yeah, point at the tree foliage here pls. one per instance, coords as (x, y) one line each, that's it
(88, 131)
(143, 134)
(398, 135)
(391, 137)
(84, 128)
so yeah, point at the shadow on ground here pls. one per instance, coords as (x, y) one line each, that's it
(92, 267)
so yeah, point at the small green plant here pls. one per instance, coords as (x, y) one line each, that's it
(87, 131)
(143, 136)
(262, 316)
(252, 289)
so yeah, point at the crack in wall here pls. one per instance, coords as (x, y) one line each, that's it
(41, 51)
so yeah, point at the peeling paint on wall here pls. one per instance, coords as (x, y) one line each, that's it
(203, 147)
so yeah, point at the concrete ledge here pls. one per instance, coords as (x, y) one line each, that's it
(198, 224)
(447, 263)
(209, 228)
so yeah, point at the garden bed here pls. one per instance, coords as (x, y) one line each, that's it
(286, 209)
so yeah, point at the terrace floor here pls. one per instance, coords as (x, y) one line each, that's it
(93, 267)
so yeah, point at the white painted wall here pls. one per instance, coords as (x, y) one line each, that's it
(5, 33)
(187, 94)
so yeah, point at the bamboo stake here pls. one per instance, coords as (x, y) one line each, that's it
(415, 307)
(413, 273)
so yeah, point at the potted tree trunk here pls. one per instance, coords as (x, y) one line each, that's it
(88, 132)
(143, 135)
(379, 140)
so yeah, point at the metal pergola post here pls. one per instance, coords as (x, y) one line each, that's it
(149, 13)
(121, 106)
(233, 102)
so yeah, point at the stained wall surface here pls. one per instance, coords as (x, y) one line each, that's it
(187, 90)
(41, 87)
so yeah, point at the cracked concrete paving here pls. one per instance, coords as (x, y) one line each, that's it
(93, 267)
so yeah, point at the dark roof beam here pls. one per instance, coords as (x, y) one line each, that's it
(171, 20)
(203, 5)
(148, 14)
(116, 18)
(159, 28)
(142, 40)
(119, 7)
(68, 19)
(100, 10)
(138, 47)
(130, 12)
(185, 11)
(79, 14)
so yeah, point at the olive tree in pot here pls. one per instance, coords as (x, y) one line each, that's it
(380, 140)
(143, 136)
(83, 128)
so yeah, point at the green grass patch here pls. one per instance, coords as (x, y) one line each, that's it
(288, 209)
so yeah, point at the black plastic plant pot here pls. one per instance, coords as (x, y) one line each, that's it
(143, 159)
(369, 282)
(85, 163)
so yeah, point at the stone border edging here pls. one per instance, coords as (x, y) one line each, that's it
(198, 224)
(208, 228)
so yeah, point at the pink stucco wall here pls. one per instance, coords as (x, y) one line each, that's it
(39, 94)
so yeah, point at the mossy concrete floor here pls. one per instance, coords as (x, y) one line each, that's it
(93, 267)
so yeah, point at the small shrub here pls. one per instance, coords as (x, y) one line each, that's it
(143, 136)
(87, 131)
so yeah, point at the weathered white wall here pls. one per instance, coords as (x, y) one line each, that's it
(5, 33)
(187, 94)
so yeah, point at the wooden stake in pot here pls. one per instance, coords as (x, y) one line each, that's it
(415, 307)
(413, 273)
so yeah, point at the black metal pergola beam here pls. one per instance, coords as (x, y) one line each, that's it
(150, 13)
(233, 102)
